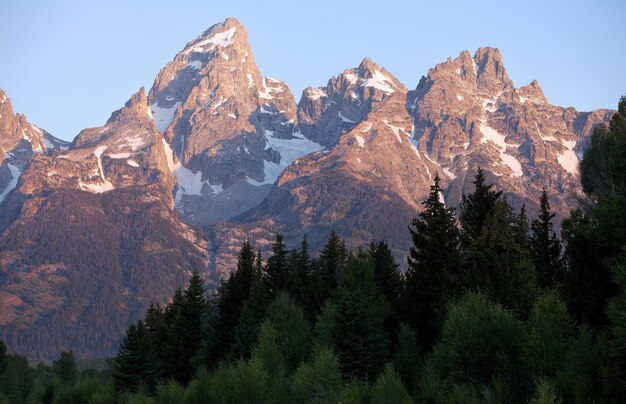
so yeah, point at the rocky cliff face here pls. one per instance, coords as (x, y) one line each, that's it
(19, 140)
(468, 113)
(89, 236)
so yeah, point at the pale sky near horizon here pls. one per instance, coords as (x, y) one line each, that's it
(68, 64)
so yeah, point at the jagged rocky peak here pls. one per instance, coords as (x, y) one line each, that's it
(531, 93)
(325, 113)
(135, 108)
(17, 132)
(135, 112)
(19, 140)
(231, 129)
(213, 91)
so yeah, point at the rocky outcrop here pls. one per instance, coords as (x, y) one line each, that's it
(19, 140)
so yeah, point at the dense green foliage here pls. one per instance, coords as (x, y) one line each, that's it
(490, 310)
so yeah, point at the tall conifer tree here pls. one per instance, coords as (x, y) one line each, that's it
(546, 247)
(434, 273)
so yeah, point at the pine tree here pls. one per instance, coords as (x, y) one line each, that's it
(434, 275)
(603, 167)
(326, 271)
(389, 281)
(277, 276)
(546, 247)
(156, 337)
(499, 266)
(244, 335)
(172, 344)
(129, 363)
(300, 269)
(476, 207)
(192, 314)
(65, 368)
(595, 235)
(233, 294)
(359, 336)
(549, 331)
(616, 312)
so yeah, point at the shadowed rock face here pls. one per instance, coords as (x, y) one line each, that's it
(92, 232)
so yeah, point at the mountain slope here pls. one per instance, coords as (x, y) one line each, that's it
(93, 239)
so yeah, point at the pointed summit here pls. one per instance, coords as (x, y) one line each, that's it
(325, 113)
(135, 108)
(489, 64)
(532, 92)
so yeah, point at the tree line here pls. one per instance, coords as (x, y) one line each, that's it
(494, 307)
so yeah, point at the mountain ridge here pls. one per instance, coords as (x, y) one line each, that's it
(215, 153)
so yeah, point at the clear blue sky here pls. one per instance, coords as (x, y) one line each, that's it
(68, 64)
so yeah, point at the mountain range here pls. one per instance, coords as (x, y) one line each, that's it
(94, 230)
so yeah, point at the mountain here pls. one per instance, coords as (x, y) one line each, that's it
(94, 239)
(93, 231)
(229, 125)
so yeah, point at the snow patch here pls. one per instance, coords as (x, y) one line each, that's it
(220, 103)
(459, 97)
(368, 126)
(15, 176)
(544, 138)
(195, 64)
(289, 150)
(231, 115)
(360, 140)
(134, 142)
(265, 111)
(343, 118)
(250, 81)
(189, 183)
(449, 173)
(568, 159)
(132, 163)
(120, 155)
(396, 130)
(222, 39)
(49, 144)
(351, 77)
(163, 117)
(441, 198)
(267, 90)
(379, 81)
(490, 134)
(106, 186)
(316, 93)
